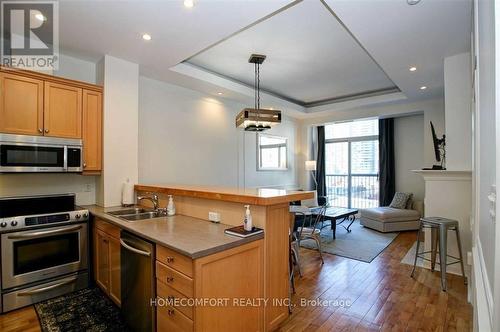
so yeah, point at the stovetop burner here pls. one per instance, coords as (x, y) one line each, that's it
(33, 211)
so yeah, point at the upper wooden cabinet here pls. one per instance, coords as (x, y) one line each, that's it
(32, 103)
(21, 105)
(62, 110)
(92, 131)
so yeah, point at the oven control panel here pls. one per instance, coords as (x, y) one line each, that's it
(23, 222)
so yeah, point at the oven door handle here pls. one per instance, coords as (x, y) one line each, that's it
(137, 251)
(48, 288)
(38, 234)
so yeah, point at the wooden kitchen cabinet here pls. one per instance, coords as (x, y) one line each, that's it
(107, 259)
(62, 110)
(92, 131)
(21, 105)
(101, 254)
(32, 103)
(211, 277)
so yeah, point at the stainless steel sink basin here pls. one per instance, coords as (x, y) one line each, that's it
(130, 211)
(136, 214)
(142, 216)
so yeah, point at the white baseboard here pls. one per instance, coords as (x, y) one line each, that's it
(483, 295)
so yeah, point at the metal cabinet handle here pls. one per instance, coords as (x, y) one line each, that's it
(170, 259)
(137, 251)
(46, 130)
(84, 165)
(47, 288)
(40, 130)
(170, 312)
(170, 279)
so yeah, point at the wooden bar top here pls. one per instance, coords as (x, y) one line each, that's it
(252, 196)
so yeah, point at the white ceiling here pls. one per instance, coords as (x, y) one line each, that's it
(114, 27)
(310, 57)
(393, 33)
(399, 36)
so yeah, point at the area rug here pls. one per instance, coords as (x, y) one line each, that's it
(362, 244)
(85, 310)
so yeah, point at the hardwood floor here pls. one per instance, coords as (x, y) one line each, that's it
(382, 294)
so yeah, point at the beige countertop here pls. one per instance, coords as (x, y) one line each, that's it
(253, 196)
(189, 236)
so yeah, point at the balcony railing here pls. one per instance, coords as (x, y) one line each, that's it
(363, 191)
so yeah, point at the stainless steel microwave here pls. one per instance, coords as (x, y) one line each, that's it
(29, 154)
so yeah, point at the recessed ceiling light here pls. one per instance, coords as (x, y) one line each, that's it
(40, 17)
(146, 36)
(189, 3)
(219, 93)
(423, 87)
(413, 68)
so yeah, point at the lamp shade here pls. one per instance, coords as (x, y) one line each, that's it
(310, 165)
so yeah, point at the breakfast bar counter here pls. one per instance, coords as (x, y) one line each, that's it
(270, 211)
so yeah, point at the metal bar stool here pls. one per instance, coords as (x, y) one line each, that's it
(439, 234)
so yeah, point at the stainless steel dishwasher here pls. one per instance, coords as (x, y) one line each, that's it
(137, 282)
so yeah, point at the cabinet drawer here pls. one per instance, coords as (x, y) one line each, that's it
(174, 279)
(168, 293)
(175, 260)
(170, 319)
(107, 227)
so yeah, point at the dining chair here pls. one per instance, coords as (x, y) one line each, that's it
(310, 226)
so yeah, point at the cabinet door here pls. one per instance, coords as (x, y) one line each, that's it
(62, 111)
(92, 131)
(21, 105)
(102, 260)
(114, 270)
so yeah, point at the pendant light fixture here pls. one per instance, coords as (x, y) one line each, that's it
(257, 119)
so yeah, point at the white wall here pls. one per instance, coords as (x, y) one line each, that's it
(486, 133)
(186, 137)
(457, 94)
(409, 152)
(120, 79)
(76, 69)
(44, 184)
(484, 173)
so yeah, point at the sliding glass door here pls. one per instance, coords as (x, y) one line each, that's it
(351, 156)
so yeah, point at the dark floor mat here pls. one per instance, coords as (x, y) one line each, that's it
(85, 310)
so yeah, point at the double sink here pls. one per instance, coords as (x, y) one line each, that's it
(136, 214)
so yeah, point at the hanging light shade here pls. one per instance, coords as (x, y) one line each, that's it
(257, 119)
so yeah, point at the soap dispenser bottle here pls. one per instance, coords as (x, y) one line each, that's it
(248, 226)
(170, 206)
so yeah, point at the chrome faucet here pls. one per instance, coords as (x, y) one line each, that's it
(153, 199)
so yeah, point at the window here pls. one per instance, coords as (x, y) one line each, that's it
(271, 152)
(351, 156)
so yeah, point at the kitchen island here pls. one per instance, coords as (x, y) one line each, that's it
(215, 265)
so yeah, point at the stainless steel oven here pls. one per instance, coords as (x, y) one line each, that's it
(21, 153)
(44, 248)
(34, 255)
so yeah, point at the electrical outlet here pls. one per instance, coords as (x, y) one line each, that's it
(87, 187)
(214, 217)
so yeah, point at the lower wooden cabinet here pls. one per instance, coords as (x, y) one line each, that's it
(226, 288)
(107, 259)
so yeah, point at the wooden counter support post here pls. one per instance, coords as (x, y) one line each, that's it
(276, 264)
